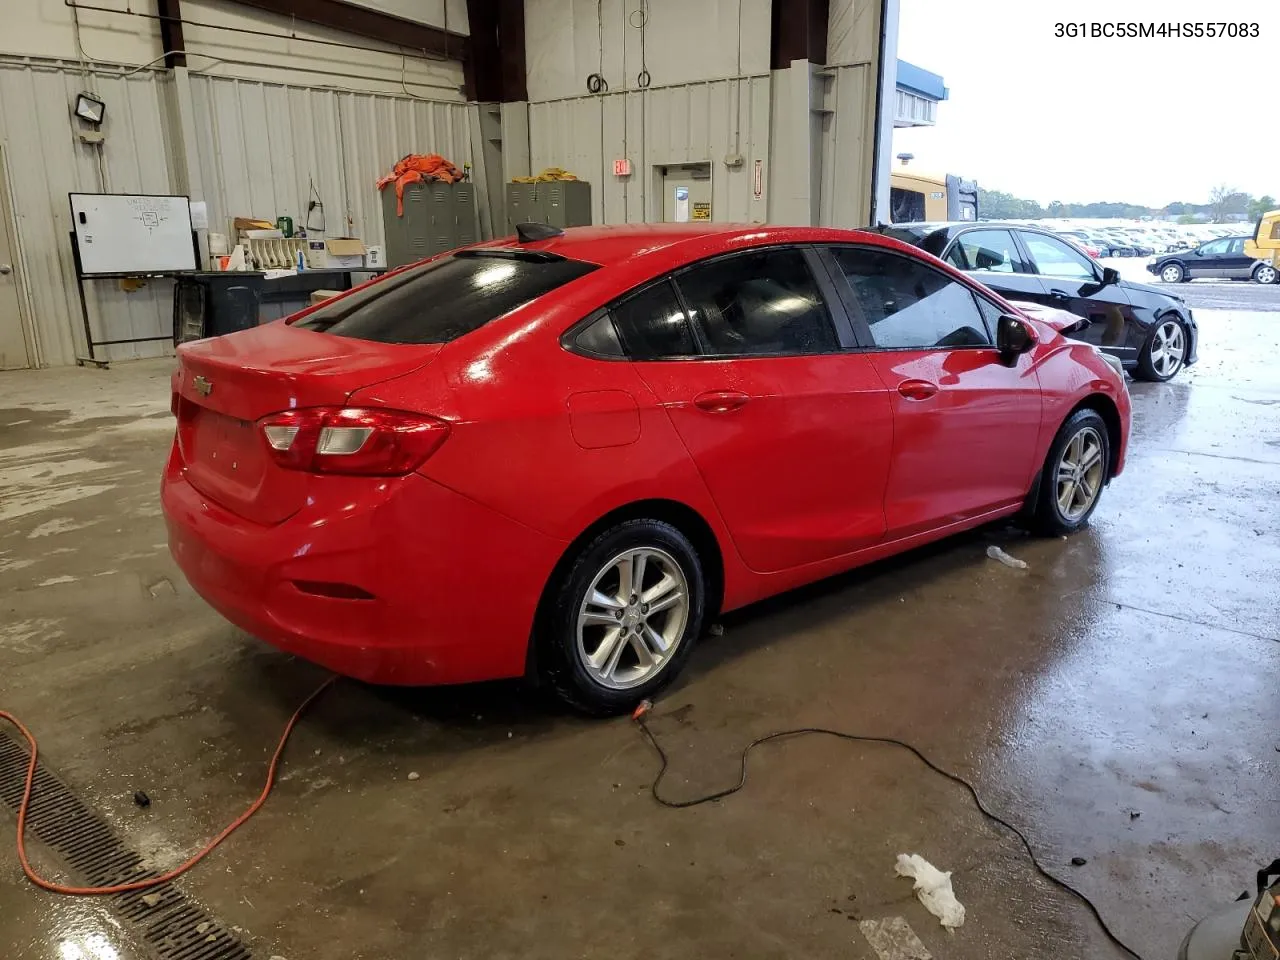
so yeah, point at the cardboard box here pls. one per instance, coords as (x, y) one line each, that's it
(344, 253)
(320, 296)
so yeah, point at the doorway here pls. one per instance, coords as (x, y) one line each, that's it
(14, 352)
(686, 192)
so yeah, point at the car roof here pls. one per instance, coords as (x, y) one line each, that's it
(616, 244)
(933, 236)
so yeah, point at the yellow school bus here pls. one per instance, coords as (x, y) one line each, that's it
(914, 197)
(1265, 246)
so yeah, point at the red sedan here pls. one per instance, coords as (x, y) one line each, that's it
(563, 455)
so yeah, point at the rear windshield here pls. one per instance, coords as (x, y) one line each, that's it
(911, 235)
(446, 298)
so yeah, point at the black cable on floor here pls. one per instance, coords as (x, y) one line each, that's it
(643, 710)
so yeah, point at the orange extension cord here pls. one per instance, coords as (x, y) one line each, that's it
(176, 872)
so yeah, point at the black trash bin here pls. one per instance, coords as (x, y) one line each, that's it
(209, 304)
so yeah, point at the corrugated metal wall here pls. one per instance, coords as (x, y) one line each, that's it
(259, 147)
(46, 162)
(262, 144)
(686, 123)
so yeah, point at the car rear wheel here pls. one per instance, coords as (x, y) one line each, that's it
(623, 617)
(1165, 351)
(1075, 471)
(1172, 273)
(1264, 273)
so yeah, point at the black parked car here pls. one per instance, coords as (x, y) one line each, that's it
(1152, 332)
(1223, 258)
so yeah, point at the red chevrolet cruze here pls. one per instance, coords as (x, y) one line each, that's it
(561, 455)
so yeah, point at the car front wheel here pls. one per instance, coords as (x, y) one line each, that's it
(1164, 353)
(1075, 471)
(623, 617)
(1172, 273)
(1264, 273)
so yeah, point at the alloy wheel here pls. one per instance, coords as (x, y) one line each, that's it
(632, 618)
(1080, 474)
(1265, 274)
(1168, 349)
(1171, 274)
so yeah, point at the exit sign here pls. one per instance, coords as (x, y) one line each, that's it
(622, 168)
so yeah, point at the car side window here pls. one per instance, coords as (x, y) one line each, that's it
(652, 325)
(599, 339)
(991, 314)
(761, 302)
(1215, 247)
(986, 251)
(909, 305)
(1054, 258)
(1237, 247)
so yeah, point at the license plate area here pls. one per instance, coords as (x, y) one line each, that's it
(227, 447)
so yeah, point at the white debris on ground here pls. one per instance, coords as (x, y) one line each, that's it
(933, 888)
(995, 553)
(893, 939)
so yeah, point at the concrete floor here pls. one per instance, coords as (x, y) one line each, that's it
(1132, 670)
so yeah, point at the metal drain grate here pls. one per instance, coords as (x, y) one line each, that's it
(173, 926)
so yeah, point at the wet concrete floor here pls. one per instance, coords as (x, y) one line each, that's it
(1117, 701)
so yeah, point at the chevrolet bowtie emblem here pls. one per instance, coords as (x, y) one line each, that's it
(203, 386)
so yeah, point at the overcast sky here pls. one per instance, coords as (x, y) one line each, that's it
(1146, 121)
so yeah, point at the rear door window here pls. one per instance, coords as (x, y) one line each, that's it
(653, 325)
(763, 302)
(648, 325)
(447, 298)
(991, 251)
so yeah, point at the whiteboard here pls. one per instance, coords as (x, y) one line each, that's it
(132, 233)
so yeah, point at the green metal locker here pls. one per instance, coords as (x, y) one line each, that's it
(561, 203)
(437, 217)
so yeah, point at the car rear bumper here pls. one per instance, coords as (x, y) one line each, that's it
(432, 587)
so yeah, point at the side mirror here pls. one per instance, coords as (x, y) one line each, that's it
(1110, 275)
(1013, 338)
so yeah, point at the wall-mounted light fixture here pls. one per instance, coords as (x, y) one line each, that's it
(90, 109)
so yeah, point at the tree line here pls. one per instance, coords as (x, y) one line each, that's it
(1226, 204)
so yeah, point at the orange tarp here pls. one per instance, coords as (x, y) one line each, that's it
(416, 168)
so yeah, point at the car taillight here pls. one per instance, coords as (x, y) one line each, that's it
(377, 443)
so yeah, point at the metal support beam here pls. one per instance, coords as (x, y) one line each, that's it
(495, 71)
(373, 24)
(798, 32)
(886, 100)
(170, 13)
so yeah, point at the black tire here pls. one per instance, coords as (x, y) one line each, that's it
(559, 660)
(1265, 269)
(1049, 518)
(1146, 366)
(1182, 273)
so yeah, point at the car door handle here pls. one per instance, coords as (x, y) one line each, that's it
(720, 401)
(917, 389)
(1059, 294)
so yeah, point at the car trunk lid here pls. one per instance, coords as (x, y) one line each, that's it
(226, 384)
